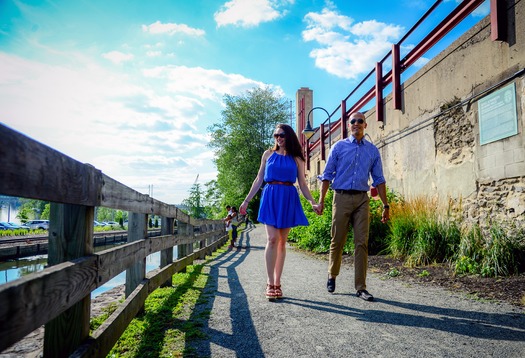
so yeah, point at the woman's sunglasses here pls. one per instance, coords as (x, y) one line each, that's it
(359, 120)
(281, 135)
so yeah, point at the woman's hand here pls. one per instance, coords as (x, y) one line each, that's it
(243, 207)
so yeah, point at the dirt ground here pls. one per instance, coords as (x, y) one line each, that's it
(506, 289)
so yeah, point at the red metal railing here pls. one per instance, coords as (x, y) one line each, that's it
(393, 76)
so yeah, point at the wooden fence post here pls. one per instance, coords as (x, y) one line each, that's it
(184, 249)
(137, 230)
(70, 237)
(166, 256)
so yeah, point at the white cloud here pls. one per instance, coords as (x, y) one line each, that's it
(153, 53)
(171, 29)
(346, 49)
(140, 130)
(482, 10)
(202, 83)
(250, 13)
(117, 57)
(103, 118)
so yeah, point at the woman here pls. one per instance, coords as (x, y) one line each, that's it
(280, 208)
(234, 222)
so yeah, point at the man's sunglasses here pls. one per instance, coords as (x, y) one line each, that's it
(277, 135)
(359, 120)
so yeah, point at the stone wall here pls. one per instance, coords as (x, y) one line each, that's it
(431, 147)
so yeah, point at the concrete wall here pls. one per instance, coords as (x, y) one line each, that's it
(431, 147)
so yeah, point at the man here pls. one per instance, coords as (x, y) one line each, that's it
(352, 161)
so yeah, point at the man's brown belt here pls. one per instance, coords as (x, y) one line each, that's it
(288, 183)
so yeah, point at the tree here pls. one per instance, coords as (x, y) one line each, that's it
(194, 202)
(240, 139)
(213, 208)
(33, 209)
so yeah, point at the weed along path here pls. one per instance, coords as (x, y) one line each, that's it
(403, 321)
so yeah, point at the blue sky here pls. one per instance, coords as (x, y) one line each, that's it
(130, 86)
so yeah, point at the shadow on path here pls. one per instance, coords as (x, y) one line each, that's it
(505, 327)
(241, 322)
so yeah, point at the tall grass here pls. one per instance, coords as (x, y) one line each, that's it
(501, 254)
(423, 231)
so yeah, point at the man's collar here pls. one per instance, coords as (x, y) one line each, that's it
(354, 139)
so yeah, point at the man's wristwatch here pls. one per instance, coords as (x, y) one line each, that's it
(386, 206)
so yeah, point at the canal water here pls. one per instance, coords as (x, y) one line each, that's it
(14, 269)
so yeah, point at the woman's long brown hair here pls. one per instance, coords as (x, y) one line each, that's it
(291, 142)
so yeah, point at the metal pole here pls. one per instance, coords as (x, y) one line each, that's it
(329, 124)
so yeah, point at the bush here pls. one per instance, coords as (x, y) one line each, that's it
(502, 254)
(378, 237)
(317, 236)
(421, 234)
(435, 241)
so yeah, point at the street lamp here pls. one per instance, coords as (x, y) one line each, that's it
(308, 131)
(329, 125)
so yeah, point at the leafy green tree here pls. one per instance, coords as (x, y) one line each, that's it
(45, 214)
(241, 137)
(33, 209)
(195, 201)
(212, 200)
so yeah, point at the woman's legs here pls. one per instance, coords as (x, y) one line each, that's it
(275, 253)
(281, 255)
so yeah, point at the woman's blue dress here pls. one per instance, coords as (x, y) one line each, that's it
(280, 205)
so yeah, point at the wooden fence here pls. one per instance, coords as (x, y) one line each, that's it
(59, 297)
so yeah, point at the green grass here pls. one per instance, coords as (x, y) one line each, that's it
(172, 317)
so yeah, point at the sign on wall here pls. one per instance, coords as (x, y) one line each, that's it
(498, 117)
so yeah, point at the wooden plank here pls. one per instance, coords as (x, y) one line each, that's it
(109, 332)
(33, 170)
(118, 196)
(71, 282)
(35, 299)
(105, 337)
(113, 261)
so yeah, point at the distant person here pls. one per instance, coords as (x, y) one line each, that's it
(350, 164)
(280, 207)
(247, 219)
(234, 223)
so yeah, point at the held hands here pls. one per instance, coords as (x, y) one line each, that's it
(317, 208)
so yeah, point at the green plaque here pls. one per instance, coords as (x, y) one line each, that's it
(498, 117)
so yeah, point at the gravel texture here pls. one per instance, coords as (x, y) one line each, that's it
(403, 321)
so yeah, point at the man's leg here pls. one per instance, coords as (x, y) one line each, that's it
(361, 223)
(340, 221)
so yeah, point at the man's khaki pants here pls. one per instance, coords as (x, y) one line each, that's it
(354, 210)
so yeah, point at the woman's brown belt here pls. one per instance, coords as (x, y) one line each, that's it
(288, 183)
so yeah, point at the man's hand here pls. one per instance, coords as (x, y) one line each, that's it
(386, 216)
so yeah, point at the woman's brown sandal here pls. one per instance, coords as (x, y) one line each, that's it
(270, 292)
(278, 291)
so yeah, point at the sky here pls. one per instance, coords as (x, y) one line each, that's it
(131, 86)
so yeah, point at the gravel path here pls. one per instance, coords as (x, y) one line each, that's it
(403, 321)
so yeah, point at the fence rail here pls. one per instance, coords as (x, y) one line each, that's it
(59, 296)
